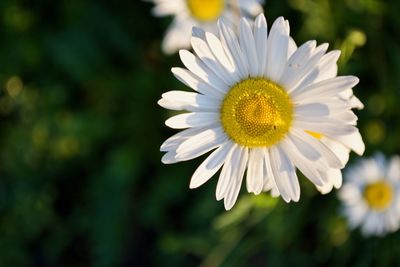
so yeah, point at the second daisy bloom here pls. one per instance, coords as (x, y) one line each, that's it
(371, 195)
(263, 105)
(200, 13)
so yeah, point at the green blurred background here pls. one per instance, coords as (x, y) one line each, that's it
(81, 183)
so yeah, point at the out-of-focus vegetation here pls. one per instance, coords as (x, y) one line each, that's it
(81, 183)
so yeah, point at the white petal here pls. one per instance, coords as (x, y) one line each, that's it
(196, 83)
(325, 188)
(228, 38)
(169, 158)
(204, 52)
(295, 66)
(326, 126)
(305, 148)
(180, 100)
(346, 116)
(222, 55)
(285, 175)
(261, 41)
(305, 165)
(350, 194)
(357, 215)
(327, 154)
(327, 67)
(338, 148)
(237, 173)
(312, 109)
(200, 144)
(269, 180)
(210, 166)
(200, 69)
(334, 176)
(356, 103)
(326, 88)
(225, 177)
(176, 140)
(247, 43)
(255, 171)
(292, 47)
(278, 42)
(353, 141)
(371, 225)
(193, 119)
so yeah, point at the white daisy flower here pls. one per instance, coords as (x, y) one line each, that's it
(371, 195)
(261, 104)
(200, 13)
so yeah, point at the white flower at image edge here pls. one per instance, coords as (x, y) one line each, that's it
(262, 105)
(371, 195)
(200, 13)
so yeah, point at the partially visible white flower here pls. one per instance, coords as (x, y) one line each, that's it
(200, 13)
(371, 195)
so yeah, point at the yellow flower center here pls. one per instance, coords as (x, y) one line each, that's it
(205, 10)
(378, 195)
(314, 134)
(256, 113)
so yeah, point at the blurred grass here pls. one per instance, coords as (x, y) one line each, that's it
(81, 183)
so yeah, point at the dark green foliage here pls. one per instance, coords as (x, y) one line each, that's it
(81, 183)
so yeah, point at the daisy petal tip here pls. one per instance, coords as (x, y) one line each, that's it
(193, 184)
(179, 157)
(325, 191)
(337, 53)
(312, 43)
(360, 151)
(168, 158)
(244, 21)
(356, 80)
(324, 46)
(175, 70)
(163, 103)
(210, 35)
(318, 183)
(261, 17)
(296, 196)
(228, 205)
(286, 198)
(163, 148)
(175, 123)
(182, 52)
(168, 123)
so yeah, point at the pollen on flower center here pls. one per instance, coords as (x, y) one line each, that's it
(256, 113)
(378, 195)
(315, 134)
(205, 10)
